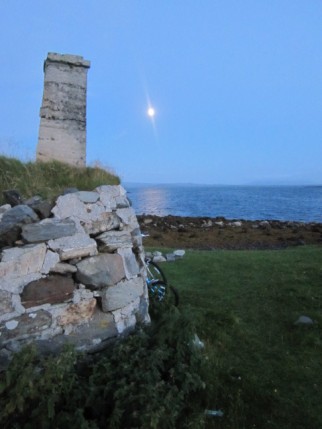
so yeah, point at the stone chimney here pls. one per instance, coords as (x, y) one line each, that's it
(62, 131)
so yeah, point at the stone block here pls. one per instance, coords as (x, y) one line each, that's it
(51, 290)
(48, 229)
(100, 271)
(114, 240)
(51, 260)
(105, 222)
(75, 246)
(26, 325)
(15, 285)
(12, 221)
(121, 295)
(125, 318)
(77, 313)
(131, 265)
(20, 265)
(6, 305)
(122, 202)
(70, 206)
(128, 218)
(87, 197)
(10, 305)
(41, 207)
(63, 268)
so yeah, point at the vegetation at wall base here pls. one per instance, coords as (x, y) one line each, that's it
(49, 179)
(151, 379)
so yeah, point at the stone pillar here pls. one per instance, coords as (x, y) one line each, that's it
(62, 131)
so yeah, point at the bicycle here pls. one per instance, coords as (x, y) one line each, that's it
(158, 287)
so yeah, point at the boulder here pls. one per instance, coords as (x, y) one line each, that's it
(12, 221)
(51, 290)
(41, 207)
(100, 271)
(13, 197)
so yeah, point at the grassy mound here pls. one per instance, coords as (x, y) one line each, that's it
(50, 178)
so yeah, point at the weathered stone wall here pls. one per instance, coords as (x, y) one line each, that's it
(62, 131)
(77, 276)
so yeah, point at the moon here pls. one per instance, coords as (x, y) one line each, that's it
(151, 112)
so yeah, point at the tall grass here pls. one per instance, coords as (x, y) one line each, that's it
(50, 178)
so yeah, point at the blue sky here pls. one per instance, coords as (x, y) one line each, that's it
(237, 85)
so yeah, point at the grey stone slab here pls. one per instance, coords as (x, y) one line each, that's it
(76, 246)
(63, 268)
(106, 221)
(26, 325)
(121, 295)
(128, 217)
(88, 197)
(114, 240)
(48, 229)
(100, 271)
(40, 206)
(6, 304)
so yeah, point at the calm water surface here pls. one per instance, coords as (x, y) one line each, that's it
(297, 203)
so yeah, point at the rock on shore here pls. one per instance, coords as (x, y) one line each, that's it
(221, 233)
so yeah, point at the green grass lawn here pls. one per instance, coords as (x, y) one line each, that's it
(265, 372)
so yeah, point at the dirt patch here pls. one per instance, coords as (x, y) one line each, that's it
(220, 233)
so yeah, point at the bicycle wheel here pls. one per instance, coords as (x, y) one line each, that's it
(154, 272)
(157, 290)
(160, 292)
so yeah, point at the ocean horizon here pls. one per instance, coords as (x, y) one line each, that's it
(301, 203)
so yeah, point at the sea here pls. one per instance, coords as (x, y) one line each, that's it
(284, 203)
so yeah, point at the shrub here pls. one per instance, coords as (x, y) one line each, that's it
(151, 379)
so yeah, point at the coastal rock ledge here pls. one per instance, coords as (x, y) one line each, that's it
(220, 233)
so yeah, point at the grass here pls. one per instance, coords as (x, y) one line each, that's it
(265, 372)
(49, 179)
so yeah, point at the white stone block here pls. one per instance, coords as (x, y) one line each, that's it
(75, 246)
(21, 265)
(121, 295)
(130, 263)
(51, 259)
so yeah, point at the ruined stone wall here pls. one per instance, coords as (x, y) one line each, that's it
(62, 131)
(77, 276)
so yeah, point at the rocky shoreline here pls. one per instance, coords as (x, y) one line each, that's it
(219, 233)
